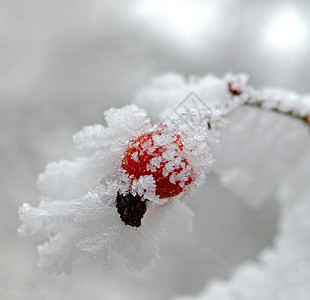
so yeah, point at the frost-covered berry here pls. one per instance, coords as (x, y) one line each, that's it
(127, 174)
(160, 154)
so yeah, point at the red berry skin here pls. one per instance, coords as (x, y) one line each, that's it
(136, 167)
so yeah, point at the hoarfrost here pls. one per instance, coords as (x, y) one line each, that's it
(277, 161)
(77, 212)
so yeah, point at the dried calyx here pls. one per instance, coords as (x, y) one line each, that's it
(131, 208)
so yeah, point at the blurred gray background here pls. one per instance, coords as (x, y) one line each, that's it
(62, 63)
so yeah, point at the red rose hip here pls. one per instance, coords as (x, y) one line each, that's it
(160, 154)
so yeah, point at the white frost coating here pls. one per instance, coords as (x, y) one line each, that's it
(60, 179)
(283, 272)
(121, 127)
(222, 96)
(156, 161)
(166, 92)
(254, 171)
(145, 184)
(134, 156)
(276, 159)
(77, 213)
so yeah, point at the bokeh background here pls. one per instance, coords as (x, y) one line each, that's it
(62, 63)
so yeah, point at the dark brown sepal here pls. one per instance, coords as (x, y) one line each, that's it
(131, 208)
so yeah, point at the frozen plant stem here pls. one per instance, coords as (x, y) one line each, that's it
(291, 114)
(251, 97)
